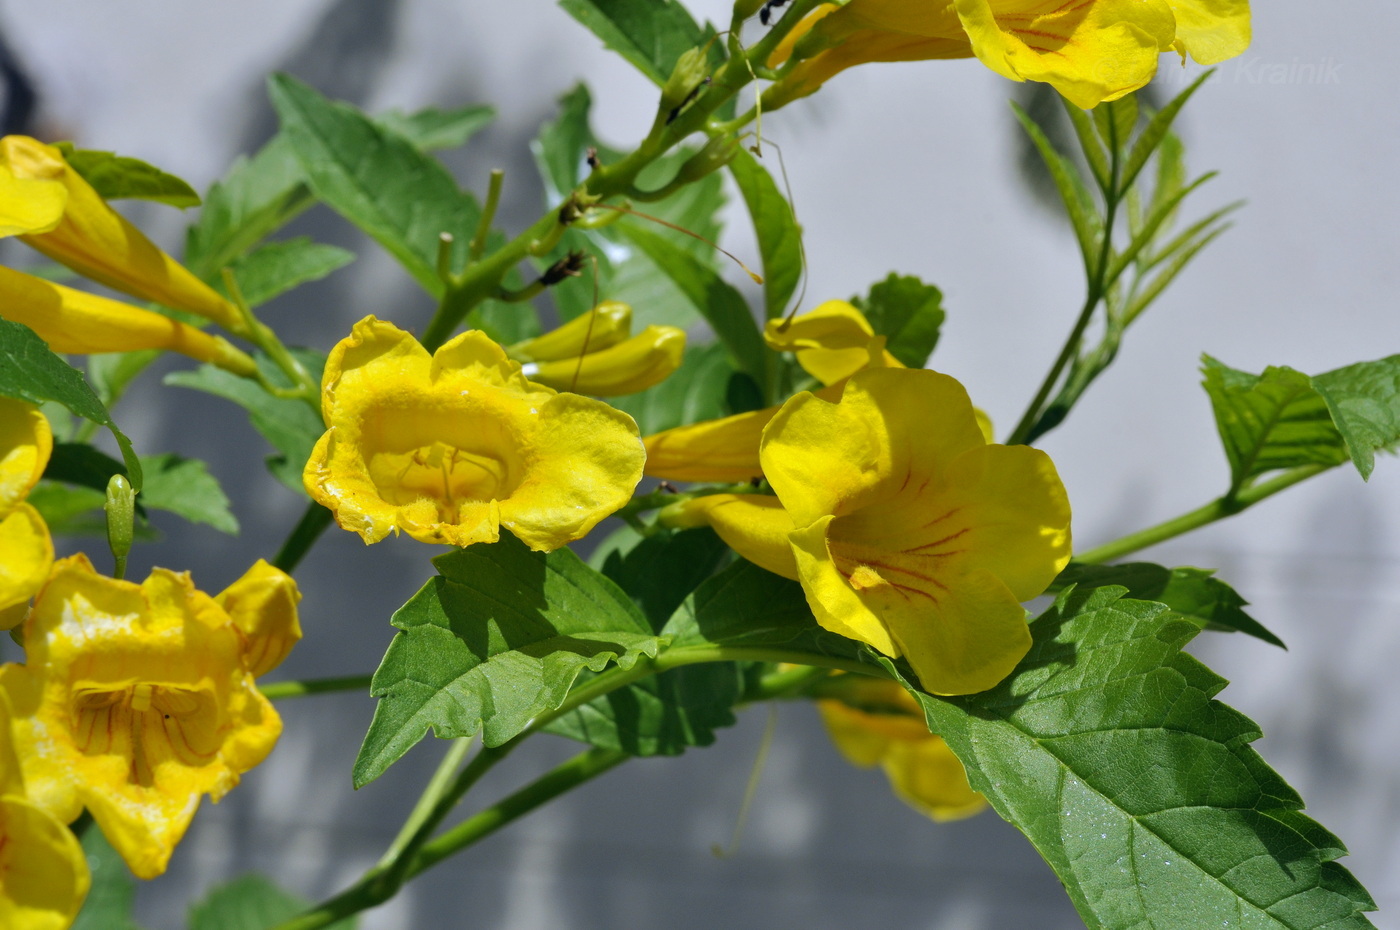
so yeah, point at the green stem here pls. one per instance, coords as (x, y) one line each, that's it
(303, 536)
(488, 215)
(1097, 275)
(281, 690)
(1218, 509)
(423, 811)
(581, 768)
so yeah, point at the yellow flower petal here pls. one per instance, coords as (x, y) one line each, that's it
(833, 341)
(43, 873)
(263, 604)
(99, 243)
(448, 448)
(754, 525)
(78, 322)
(1090, 52)
(633, 365)
(603, 327)
(1212, 30)
(26, 442)
(912, 534)
(133, 701)
(26, 556)
(29, 205)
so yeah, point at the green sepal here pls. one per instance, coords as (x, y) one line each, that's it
(277, 267)
(251, 902)
(1193, 593)
(117, 177)
(30, 372)
(1105, 747)
(908, 313)
(497, 638)
(378, 180)
(289, 424)
(775, 227)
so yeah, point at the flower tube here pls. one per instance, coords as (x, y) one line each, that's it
(99, 243)
(633, 365)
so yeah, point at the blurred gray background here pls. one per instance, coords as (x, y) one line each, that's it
(1303, 125)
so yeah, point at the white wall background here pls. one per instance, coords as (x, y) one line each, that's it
(1304, 126)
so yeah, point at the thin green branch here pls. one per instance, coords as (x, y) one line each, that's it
(309, 528)
(1218, 509)
(281, 690)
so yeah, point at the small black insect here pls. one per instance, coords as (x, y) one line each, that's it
(766, 13)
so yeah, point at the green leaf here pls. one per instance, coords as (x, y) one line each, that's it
(110, 373)
(1106, 749)
(1155, 131)
(256, 197)
(1089, 142)
(715, 299)
(30, 372)
(277, 267)
(667, 713)
(73, 510)
(1364, 400)
(775, 226)
(651, 34)
(185, 487)
(693, 392)
(116, 177)
(81, 464)
(908, 313)
(1193, 593)
(290, 425)
(438, 129)
(109, 901)
(495, 640)
(252, 902)
(1070, 187)
(377, 179)
(1270, 421)
(1115, 120)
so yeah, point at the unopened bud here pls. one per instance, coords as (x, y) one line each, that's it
(121, 518)
(601, 328)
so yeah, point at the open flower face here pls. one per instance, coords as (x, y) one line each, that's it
(911, 533)
(450, 447)
(134, 700)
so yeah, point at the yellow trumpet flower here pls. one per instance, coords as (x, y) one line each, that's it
(93, 239)
(134, 700)
(73, 321)
(26, 551)
(633, 365)
(451, 447)
(601, 328)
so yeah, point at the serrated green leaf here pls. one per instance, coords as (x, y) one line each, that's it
(1194, 593)
(184, 487)
(377, 179)
(1106, 749)
(252, 902)
(1155, 131)
(109, 901)
(717, 300)
(31, 373)
(775, 227)
(651, 34)
(290, 425)
(117, 177)
(1090, 144)
(432, 128)
(81, 464)
(1364, 400)
(497, 638)
(693, 392)
(70, 510)
(256, 197)
(277, 267)
(1114, 120)
(908, 313)
(667, 713)
(1070, 188)
(1270, 421)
